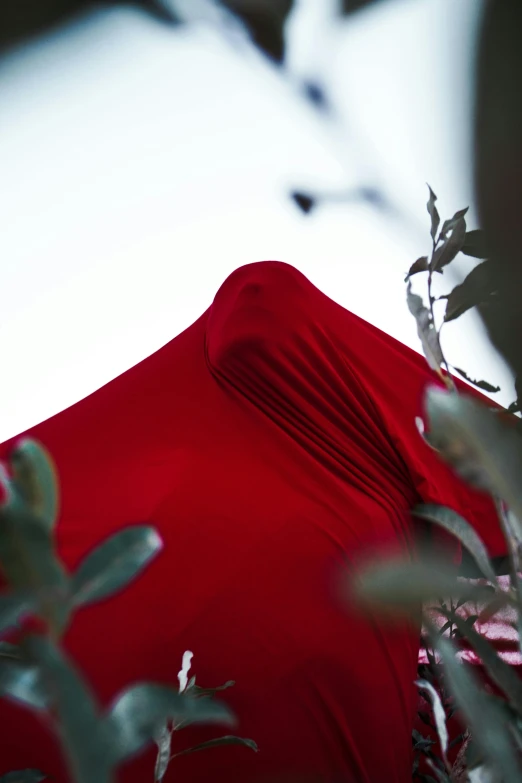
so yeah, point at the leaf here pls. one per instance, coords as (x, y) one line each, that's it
(304, 201)
(214, 743)
(420, 265)
(447, 625)
(484, 385)
(34, 18)
(265, 21)
(457, 740)
(475, 244)
(23, 776)
(462, 530)
(425, 718)
(163, 740)
(114, 563)
(450, 224)
(476, 288)
(36, 479)
(451, 246)
(433, 213)
(438, 713)
(12, 607)
(487, 721)
(501, 672)
(482, 448)
(423, 743)
(436, 765)
(204, 692)
(85, 744)
(139, 711)
(497, 603)
(426, 330)
(349, 6)
(10, 651)
(22, 681)
(29, 561)
(403, 585)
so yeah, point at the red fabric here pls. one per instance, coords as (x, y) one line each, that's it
(273, 445)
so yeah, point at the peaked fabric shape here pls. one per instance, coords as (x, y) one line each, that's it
(273, 445)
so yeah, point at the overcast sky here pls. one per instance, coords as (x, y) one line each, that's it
(140, 165)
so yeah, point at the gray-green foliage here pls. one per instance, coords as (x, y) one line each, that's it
(484, 446)
(37, 672)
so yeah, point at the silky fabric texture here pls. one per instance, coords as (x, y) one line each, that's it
(273, 446)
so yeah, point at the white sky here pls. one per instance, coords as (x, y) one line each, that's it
(140, 165)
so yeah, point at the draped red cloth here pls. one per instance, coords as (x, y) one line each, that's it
(273, 445)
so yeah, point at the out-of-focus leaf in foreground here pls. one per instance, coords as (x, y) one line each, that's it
(114, 563)
(136, 715)
(457, 525)
(481, 447)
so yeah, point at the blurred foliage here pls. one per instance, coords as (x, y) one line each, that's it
(22, 20)
(484, 446)
(38, 673)
(264, 20)
(349, 6)
(498, 171)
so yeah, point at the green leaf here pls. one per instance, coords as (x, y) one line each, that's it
(29, 561)
(12, 607)
(425, 329)
(482, 448)
(450, 224)
(86, 745)
(403, 585)
(22, 681)
(457, 525)
(475, 244)
(484, 385)
(141, 710)
(488, 722)
(433, 213)
(451, 246)
(36, 479)
(23, 776)
(115, 563)
(215, 743)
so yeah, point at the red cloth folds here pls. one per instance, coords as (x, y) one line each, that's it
(273, 445)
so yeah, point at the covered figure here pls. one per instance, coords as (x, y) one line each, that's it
(273, 446)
